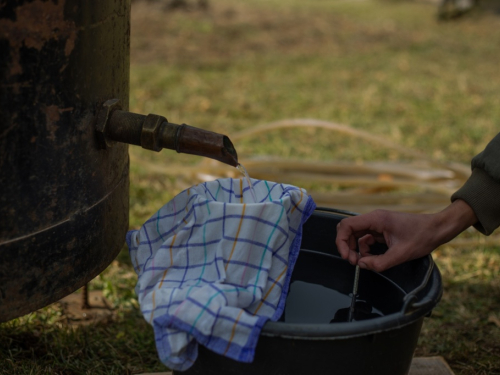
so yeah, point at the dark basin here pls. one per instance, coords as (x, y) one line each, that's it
(380, 344)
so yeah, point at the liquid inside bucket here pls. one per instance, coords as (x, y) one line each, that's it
(321, 289)
(313, 303)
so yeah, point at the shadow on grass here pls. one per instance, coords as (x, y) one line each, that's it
(464, 328)
(124, 345)
(53, 340)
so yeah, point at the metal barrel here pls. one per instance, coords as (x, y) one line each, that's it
(63, 200)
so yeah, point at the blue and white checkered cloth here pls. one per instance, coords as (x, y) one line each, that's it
(214, 266)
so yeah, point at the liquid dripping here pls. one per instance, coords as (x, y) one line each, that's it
(242, 169)
(313, 303)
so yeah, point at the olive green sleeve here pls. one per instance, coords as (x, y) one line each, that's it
(482, 190)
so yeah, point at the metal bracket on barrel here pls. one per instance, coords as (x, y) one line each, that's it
(102, 121)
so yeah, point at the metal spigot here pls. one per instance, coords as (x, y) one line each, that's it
(154, 132)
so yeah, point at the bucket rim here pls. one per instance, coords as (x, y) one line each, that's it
(344, 330)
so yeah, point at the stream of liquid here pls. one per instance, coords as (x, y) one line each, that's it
(313, 303)
(242, 169)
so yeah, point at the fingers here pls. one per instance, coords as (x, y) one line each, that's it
(346, 243)
(379, 263)
(364, 244)
(342, 242)
(406, 236)
(376, 263)
(348, 232)
(366, 223)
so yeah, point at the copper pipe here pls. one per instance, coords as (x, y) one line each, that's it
(154, 132)
(195, 141)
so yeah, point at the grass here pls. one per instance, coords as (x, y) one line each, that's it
(400, 74)
(45, 341)
(387, 67)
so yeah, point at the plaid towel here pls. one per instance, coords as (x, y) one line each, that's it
(214, 266)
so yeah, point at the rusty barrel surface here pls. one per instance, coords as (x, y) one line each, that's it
(63, 201)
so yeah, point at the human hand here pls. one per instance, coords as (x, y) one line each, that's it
(407, 236)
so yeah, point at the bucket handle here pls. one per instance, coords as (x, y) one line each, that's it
(409, 303)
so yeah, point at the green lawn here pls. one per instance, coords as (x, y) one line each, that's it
(386, 67)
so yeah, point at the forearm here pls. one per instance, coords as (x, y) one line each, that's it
(452, 221)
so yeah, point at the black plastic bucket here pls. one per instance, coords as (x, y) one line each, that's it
(404, 294)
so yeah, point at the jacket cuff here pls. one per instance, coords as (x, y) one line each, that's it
(482, 193)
